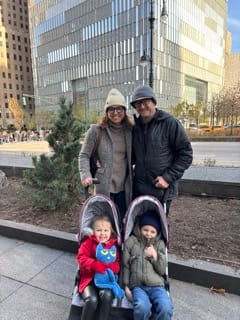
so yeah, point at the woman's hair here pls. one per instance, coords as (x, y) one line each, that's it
(103, 218)
(104, 121)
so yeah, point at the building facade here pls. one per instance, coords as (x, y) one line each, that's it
(16, 77)
(81, 49)
(232, 70)
(232, 66)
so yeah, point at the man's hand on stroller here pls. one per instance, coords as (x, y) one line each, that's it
(98, 266)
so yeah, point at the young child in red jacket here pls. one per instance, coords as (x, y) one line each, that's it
(97, 302)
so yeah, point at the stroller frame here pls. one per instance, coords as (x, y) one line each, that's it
(101, 204)
(94, 205)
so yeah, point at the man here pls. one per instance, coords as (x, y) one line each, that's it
(161, 149)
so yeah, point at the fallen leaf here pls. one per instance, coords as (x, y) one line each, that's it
(218, 290)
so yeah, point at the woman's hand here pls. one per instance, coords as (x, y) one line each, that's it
(87, 182)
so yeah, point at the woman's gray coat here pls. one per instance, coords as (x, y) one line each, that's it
(105, 154)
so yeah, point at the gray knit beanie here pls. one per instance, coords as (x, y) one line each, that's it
(115, 98)
(143, 92)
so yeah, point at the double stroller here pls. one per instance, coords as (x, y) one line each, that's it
(102, 205)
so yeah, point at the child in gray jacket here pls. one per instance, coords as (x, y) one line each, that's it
(144, 264)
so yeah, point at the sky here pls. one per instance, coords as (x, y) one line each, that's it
(233, 23)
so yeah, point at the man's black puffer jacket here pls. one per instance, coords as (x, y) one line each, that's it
(160, 148)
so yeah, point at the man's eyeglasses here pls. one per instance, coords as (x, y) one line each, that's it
(112, 110)
(144, 102)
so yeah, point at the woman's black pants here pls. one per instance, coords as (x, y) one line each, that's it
(97, 303)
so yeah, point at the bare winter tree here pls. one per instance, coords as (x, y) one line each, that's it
(17, 113)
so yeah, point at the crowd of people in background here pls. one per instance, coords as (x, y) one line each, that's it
(22, 135)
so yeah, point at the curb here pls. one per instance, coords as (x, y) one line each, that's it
(219, 189)
(199, 272)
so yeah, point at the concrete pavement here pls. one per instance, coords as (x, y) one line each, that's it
(20, 154)
(36, 281)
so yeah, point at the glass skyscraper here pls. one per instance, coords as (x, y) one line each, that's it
(82, 49)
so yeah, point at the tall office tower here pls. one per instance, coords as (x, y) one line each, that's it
(232, 65)
(81, 49)
(15, 65)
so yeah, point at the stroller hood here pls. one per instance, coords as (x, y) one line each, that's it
(98, 205)
(140, 205)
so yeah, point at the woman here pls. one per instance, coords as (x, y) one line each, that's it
(114, 171)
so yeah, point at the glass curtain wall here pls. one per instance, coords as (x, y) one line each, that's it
(99, 44)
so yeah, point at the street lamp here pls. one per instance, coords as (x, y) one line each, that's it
(145, 59)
